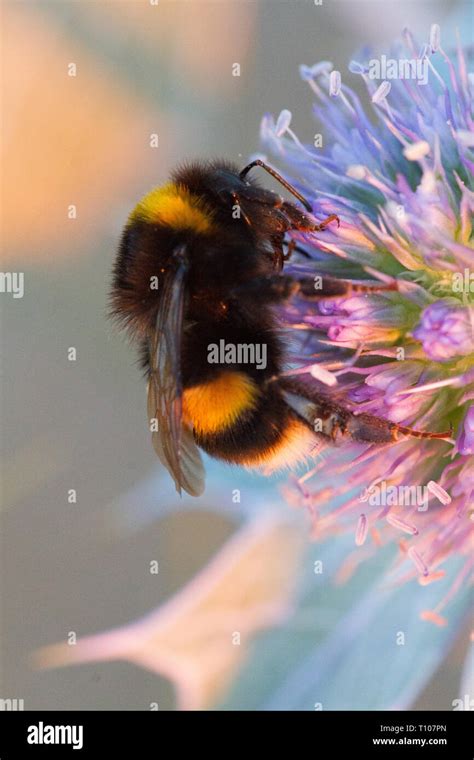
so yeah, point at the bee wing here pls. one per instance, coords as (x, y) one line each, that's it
(173, 441)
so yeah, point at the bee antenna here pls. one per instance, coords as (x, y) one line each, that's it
(279, 179)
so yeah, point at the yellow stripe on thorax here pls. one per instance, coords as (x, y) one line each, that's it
(174, 206)
(214, 406)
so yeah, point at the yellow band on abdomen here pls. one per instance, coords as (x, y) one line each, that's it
(214, 406)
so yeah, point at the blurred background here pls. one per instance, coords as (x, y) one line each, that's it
(77, 155)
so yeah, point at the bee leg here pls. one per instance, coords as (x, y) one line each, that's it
(280, 287)
(293, 246)
(236, 199)
(334, 421)
(290, 247)
(408, 431)
(300, 221)
(278, 259)
(278, 178)
(322, 225)
(278, 255)
(274, 288)
(321, 286)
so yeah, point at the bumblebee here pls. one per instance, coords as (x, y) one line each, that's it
(199, 271)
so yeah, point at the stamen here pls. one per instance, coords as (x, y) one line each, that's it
(381, 93)
(334, 83)
(319, 373)
(435, 37)
(417, 560)
(416, 151)
(283, 122)
(433, 617)
(396, 522)
(425, 580)
(442, 495)
(361, 530)
(315, 370)
(454, 381)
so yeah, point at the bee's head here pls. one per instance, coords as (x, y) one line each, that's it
(235, 196)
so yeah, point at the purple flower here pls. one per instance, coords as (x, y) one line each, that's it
(401, 181)
(466, 439)
(446, 330)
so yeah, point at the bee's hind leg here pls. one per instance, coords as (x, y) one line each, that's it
(334, 421)
(322, 286)
(280, 287)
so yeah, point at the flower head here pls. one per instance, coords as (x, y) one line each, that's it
(400, 179)
(446, 330)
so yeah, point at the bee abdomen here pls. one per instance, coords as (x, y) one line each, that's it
(213, 406)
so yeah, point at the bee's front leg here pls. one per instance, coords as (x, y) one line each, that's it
(300, 221)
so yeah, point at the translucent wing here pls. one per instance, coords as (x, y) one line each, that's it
(173, 441)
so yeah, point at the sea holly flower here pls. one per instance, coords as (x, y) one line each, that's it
(400, 180)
